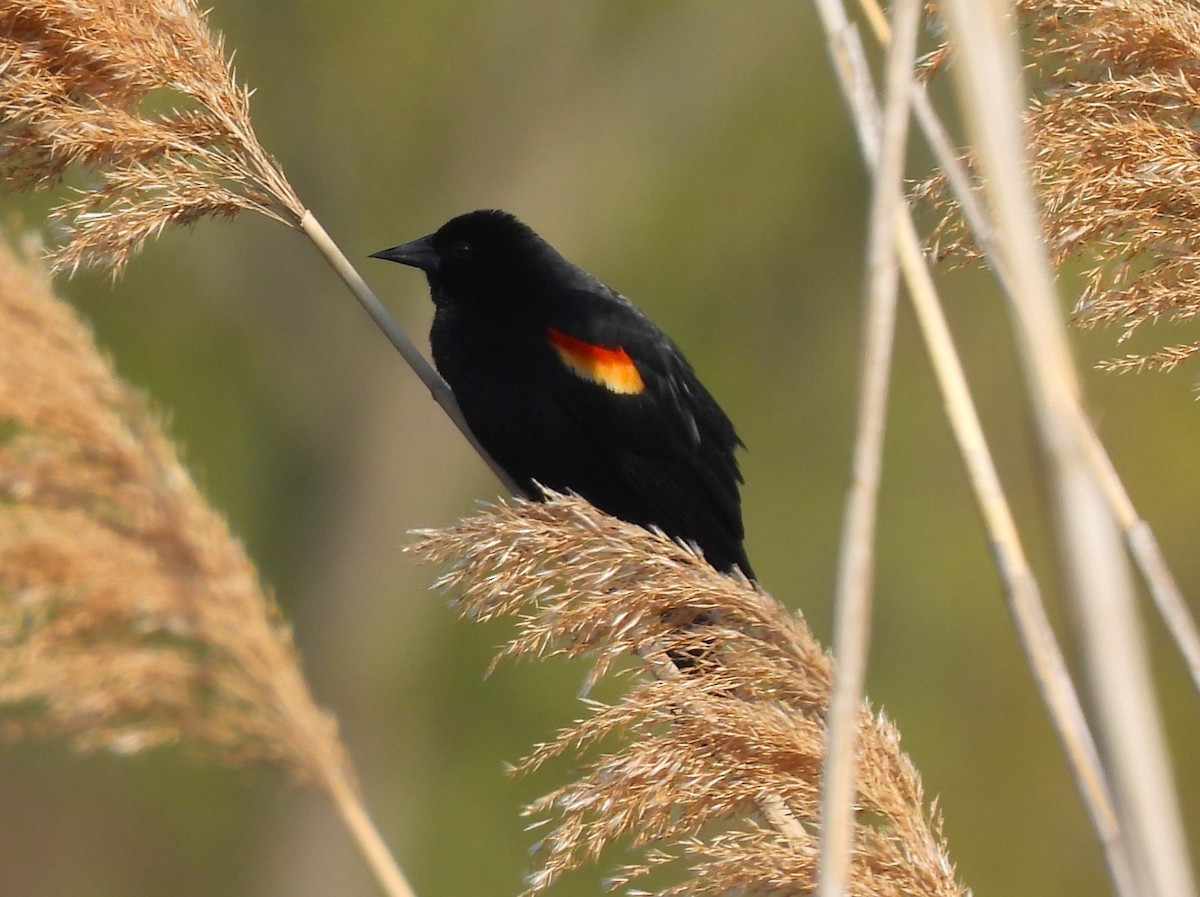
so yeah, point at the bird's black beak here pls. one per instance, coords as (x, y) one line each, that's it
(417, 253)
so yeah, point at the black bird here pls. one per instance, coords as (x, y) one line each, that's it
(566, 383)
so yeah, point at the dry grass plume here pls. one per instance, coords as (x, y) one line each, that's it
(1113, 142)
(130, 617)
(139, 101)
(716, 768)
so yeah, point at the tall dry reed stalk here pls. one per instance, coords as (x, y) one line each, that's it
(853, 602)
(714, 769)
(1105, 185)
(1142, 846)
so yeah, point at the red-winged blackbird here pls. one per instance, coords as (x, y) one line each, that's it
(566, 383)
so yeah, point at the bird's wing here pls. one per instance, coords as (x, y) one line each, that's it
(639, 401)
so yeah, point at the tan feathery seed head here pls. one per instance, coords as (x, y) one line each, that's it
(136, 104)
(1116, 156)
(130, 617)
(140, 96)
(1116, 161)
(718, 764)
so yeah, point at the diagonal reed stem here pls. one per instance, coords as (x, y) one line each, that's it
(1021, 589)
(366, 836)
(438, 388)
(1147, 554)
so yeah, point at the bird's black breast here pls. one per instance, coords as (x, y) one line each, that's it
(499, 367)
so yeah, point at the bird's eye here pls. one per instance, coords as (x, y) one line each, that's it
(460, 249)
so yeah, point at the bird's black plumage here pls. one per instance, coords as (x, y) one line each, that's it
(566, 383)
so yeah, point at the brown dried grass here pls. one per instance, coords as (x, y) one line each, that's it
(136, 105)
(140, 100)
(1113, 139)
(718, 766)
(130, 617)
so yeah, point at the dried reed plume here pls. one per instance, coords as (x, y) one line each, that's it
(1115, 161)
(130, 617)
(139, 94)
(718, 766)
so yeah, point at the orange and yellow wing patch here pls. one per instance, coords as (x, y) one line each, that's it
(611, 368)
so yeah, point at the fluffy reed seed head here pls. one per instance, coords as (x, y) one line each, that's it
(1116, 161)
(137, 94)
(716, 766)
(130, 617)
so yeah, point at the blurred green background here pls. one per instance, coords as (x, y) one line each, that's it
(696, 156)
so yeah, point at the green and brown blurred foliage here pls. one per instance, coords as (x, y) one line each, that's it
(695, 155)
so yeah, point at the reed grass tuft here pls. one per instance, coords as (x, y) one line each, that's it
(1115, 160)
(137, 107)
(130, 617)
(713, 764)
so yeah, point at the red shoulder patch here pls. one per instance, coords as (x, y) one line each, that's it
(611, 368)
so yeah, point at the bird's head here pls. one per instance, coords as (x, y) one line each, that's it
(484, 256)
